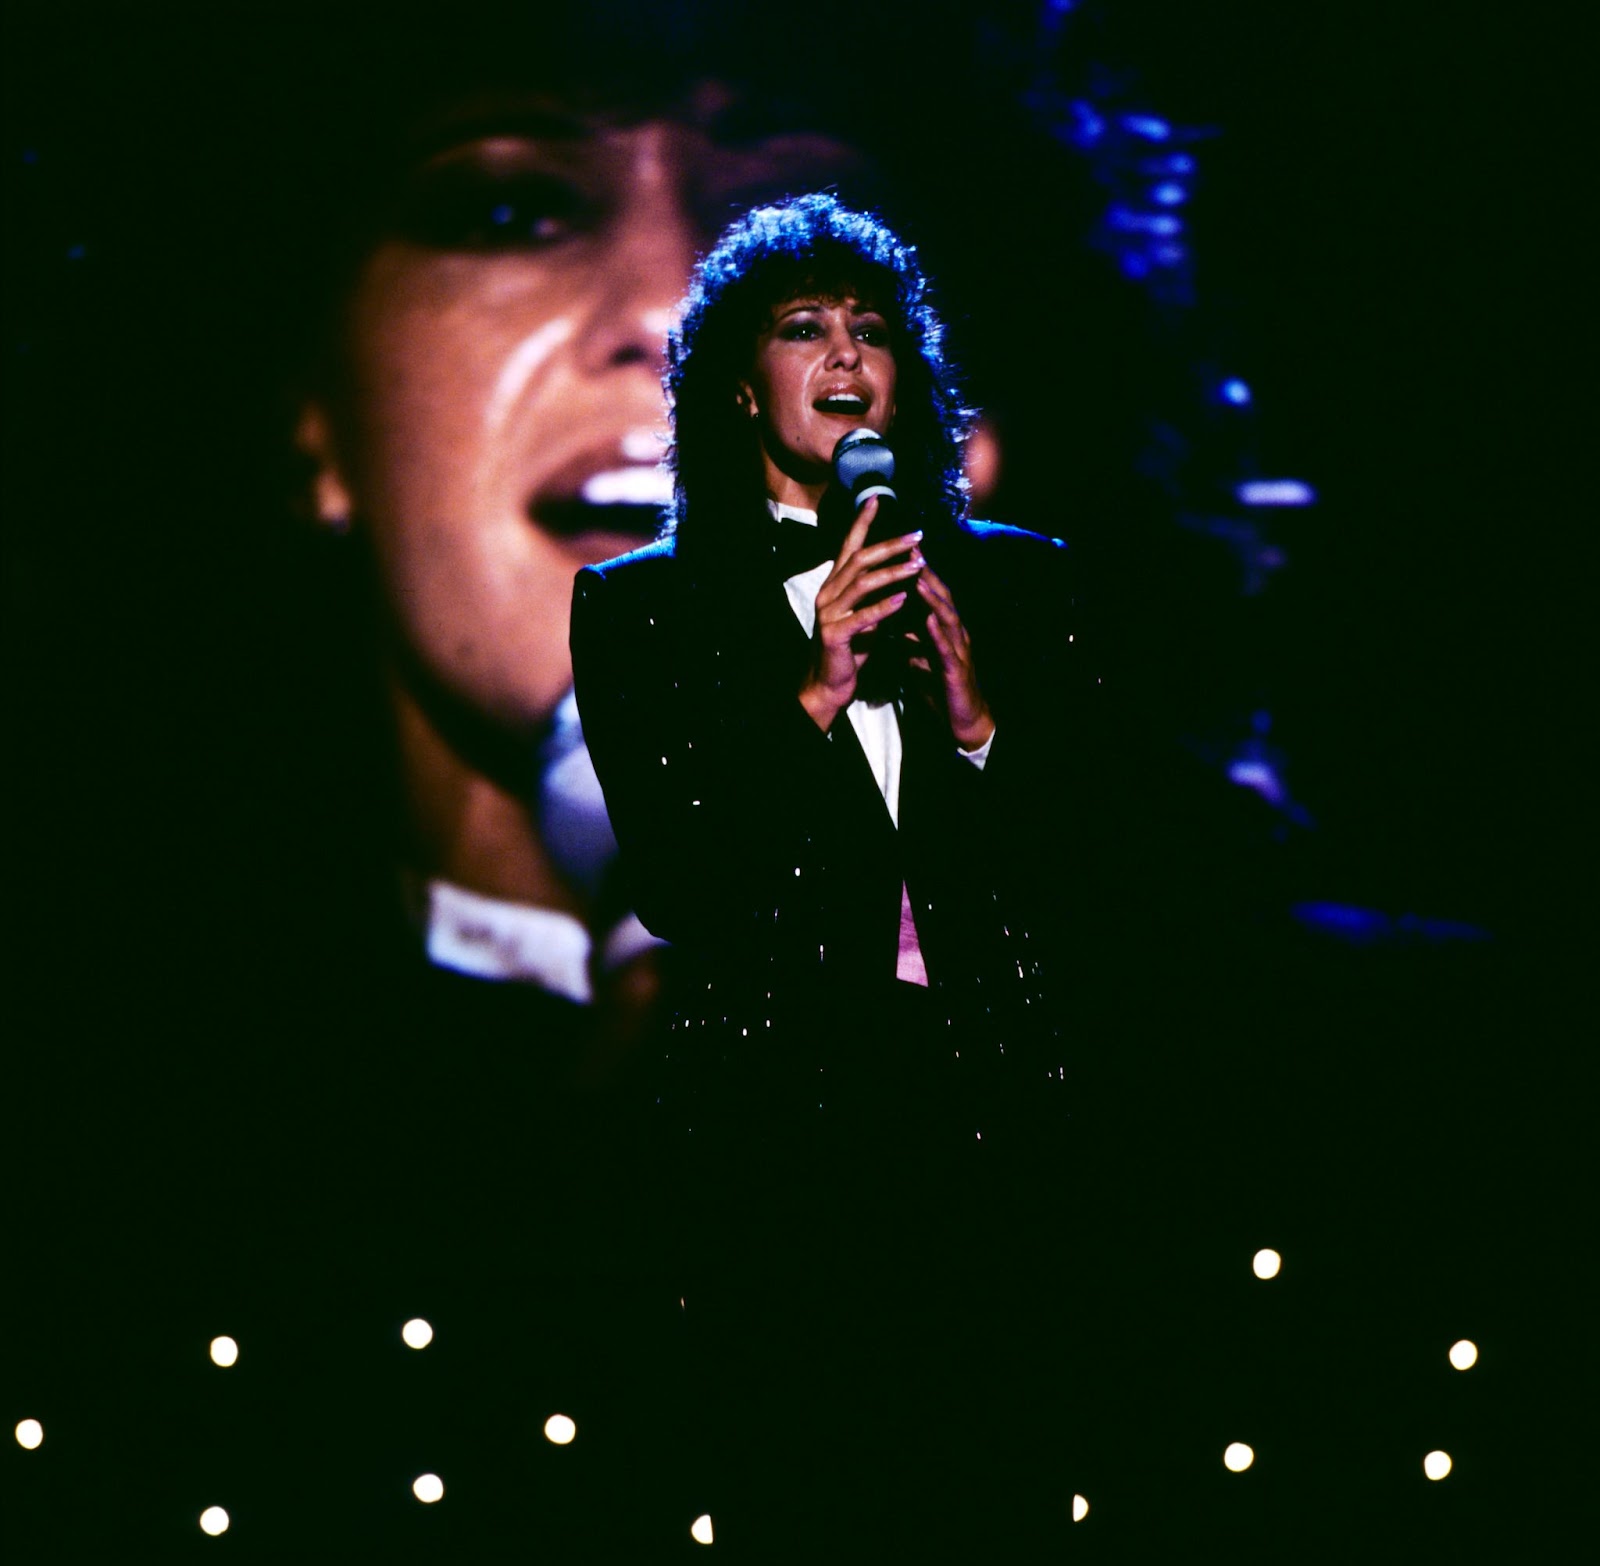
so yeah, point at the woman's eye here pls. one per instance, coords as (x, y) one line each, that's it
(874, 333)
(471, 209)
(800, 331)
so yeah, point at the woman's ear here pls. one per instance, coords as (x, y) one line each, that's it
(328, 497)
(745, 397)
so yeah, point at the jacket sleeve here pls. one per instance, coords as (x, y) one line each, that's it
(1040, 672)
(710, 766)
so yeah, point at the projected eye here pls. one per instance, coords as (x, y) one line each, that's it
(465, 206)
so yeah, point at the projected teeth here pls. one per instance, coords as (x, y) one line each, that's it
(629, 487)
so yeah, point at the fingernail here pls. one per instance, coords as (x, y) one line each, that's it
(918, 535)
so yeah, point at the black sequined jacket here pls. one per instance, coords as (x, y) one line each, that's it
(763, 847)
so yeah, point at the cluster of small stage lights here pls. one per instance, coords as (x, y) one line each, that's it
(1238, 1456)
(561, 1429)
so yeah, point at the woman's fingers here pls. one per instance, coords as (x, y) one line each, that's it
(845, 588)
(851, 623)
(853, 559)
(943, 641)
(938, 595)
(890, 547)
(857, 535)
(873, 580)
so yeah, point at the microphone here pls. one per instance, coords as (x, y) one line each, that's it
(863, 466)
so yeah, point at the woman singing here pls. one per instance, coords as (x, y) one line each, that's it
(851, 819)
(856, 831)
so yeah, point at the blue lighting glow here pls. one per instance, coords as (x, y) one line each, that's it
(1276, 492)
(1133, 264)
(1147, 126)
(1169, 255)
(1090, 124)
(1367, 926)
(1169, 194)
(1236, 392)
(1254, 773)
(1144, 222)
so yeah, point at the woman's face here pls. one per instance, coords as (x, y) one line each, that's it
(823, 367)
(497, 419)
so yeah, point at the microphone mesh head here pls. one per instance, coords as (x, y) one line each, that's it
(862, 457)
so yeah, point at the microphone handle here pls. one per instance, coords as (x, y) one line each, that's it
(890, 522)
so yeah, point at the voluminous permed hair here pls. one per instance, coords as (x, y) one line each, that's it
(809, 245)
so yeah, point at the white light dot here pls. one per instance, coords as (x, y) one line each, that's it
(213, 1520)
(1464, 1355)
(559, 1430)
(1436, 1464)
(700, 1529)
(224, 1352)
(29, 1434)
(1080, 1508)
(1238, 1457)
(417, 1333)
(427, 1488)
(1265, 1264)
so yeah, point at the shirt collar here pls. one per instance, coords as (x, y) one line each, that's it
(511, 942)
(782, 513)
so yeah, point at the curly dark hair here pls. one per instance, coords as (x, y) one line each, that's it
(772, 254)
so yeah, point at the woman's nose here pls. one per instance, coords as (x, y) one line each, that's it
(844, 352)
(642, 271)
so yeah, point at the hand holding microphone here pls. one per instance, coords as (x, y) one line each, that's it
(863, 466)
(869, 582)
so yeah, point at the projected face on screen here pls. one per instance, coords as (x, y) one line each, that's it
(498, 416)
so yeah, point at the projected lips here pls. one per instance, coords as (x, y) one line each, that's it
(606, 490)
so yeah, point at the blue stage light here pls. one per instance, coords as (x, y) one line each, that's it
(1169, 194)
(1147, 126)
(1343, 920)
(1275, 492)
(1236, 392)
(1253, 773)
(1090, 126)
(1132, 222)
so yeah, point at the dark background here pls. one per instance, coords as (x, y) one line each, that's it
(1388, 230)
